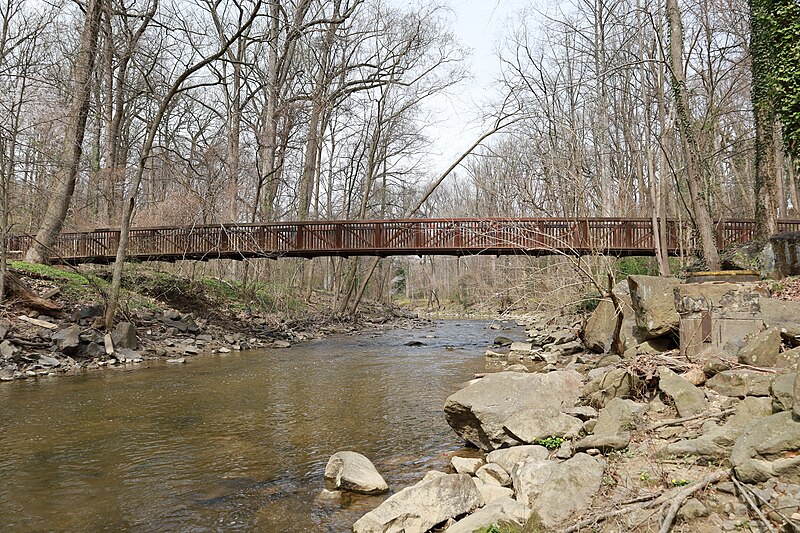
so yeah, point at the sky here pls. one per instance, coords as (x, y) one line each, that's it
(480, 26)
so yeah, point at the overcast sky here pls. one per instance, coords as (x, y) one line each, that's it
(480, 25)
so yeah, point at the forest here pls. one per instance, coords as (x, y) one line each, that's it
(125, 113)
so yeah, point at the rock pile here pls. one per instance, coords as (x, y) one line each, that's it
(574, 437)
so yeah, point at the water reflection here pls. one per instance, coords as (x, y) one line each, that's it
(235, 442)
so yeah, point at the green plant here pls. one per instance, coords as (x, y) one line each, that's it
(635, 266)
(551, 443)
(679, 482)
(645, 476)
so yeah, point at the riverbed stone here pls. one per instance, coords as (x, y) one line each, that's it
(717, 440)
(493, 474)
(768, 448)
(502, 512)
(466, 465)
(68, 340)
(478, 412)
(491, 492)
(740, 383)
(534, 423)
(653, 301)
(613, 426)
(614, 383)
(8, 350)
(124, 336)
(689, 400)
(599, 328)
(782, 391)
(557, 491)
(418, 508)
(507, 458)
(762, 349)
(353, 472)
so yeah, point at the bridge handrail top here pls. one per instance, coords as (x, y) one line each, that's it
(343, 222)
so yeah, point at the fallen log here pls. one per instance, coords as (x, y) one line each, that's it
(20, 290)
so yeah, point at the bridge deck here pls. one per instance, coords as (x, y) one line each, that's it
(452, 236)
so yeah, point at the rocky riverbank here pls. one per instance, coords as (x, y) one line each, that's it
(698, 437)
(54, 326)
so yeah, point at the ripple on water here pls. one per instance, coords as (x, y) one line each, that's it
(235, 443)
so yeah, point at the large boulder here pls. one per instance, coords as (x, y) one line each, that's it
(353, 472)
(124, 336)
(557, 491)
(782, 390)
(740, 383)
(615, 383)
(782, 314)
(769, 448)
(418, 508)
(68, 340)
(689, 400)
(503, 512)
(612, 430)
(599, 328)
(534, 423)
(653, 303)
(762, 349)
(507, 458)
(478, 412)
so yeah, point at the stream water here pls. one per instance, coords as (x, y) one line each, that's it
(230, 443)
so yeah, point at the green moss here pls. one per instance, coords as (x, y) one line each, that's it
(551, 443)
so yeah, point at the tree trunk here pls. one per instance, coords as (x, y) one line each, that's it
(691, 150)
(67, 169)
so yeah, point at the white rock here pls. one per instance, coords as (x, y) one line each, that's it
(501, 510)
(506, 458)
(353, 472)
(466, 465)
(493, 474)
(418, 508)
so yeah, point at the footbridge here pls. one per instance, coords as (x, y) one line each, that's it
(382, 238)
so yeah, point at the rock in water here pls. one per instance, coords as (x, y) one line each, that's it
(557, 491)
(418, 508)
(353, 472)
(478, 412)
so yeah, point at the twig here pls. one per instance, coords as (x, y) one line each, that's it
(776, 510)
(752, 504)
(676, 421)
(680, 497)
(735, 364)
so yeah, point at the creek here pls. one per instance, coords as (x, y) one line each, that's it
(234, 442)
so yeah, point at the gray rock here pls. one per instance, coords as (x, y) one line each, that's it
(501, 512)
(8, 350)
(492, 492)
(740, 383)
(616, 383)
(68, 340)
(522, 347)
(418, 508)
(502, 341)
(762, 349)
(583, 412)
(178, 361)
(48, 361)
(518, 367)
(352, 472)
(191, 350)
(689, 400)
(126, 355)
(534, 423)
(692, 510)
(558, 491)
(493, 474)
(507, 458)
(599, 328)
(613, 427)
(478, 412)
(782, 391)
(716, 441)
(653, 301)
(768, 448)
(466, 465)
(124, 336)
